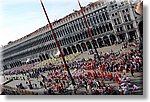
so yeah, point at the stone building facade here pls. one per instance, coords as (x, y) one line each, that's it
(110, 22)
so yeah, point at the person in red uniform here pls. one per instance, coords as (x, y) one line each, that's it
(93, 64)
(121, 69)
(102, 68)
(94, 75)
(110, 76)
(116, 78)
(89, 75)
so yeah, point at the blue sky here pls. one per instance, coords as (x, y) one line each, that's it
(21, 17)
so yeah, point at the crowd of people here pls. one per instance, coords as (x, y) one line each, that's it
(91, 76)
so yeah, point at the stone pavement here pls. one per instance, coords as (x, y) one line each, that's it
(138, 79)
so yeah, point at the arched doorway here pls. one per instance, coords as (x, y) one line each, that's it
(141, 29)
(38, 59)
(89, 45)
(122, 37)
(69, 50)
(47, 56)
(83, 46)
(100, 42)
(79, 48)
(35, 60)
(32, 61)
(65, 51)
(41, 58)
(132, 36)
(74, 49)
(94, 43)
(113, 39)
(106, 40)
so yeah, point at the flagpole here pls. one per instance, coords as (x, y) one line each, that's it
(88, 30)
(57, 43)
